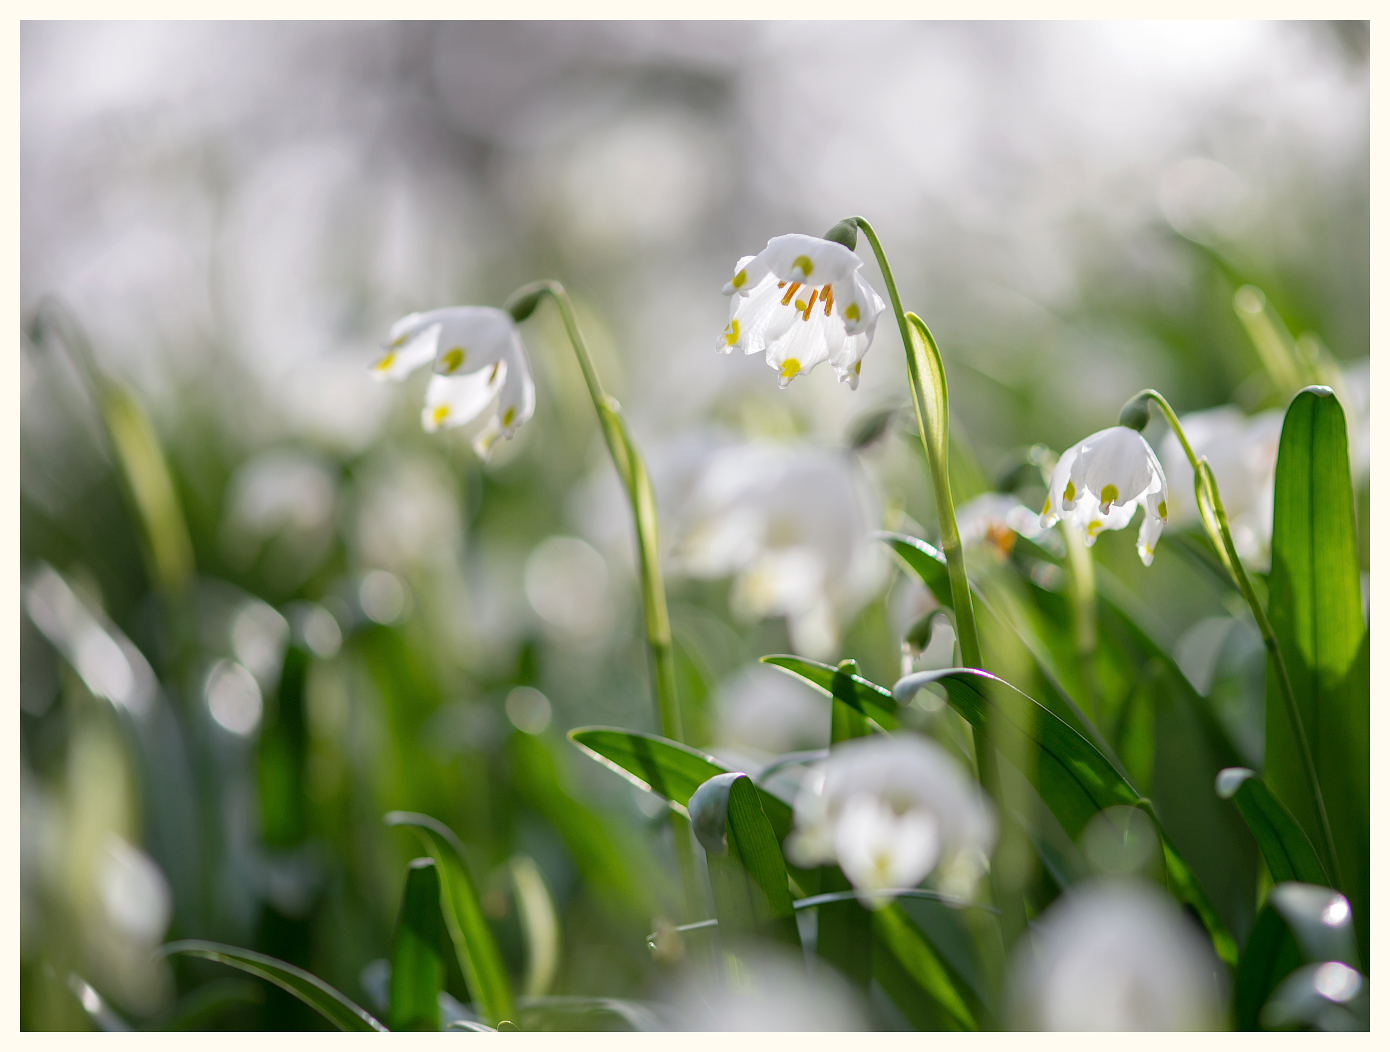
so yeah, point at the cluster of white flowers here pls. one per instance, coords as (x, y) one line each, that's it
(890, 811)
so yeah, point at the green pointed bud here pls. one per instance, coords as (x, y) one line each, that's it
(523, 306)
(1135, 414)
(845, 232)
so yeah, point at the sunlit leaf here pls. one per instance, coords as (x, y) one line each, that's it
(1284, 845)
(907, 966)
(313, 991)
(478, 956)
(867, 699)
(1316, 613)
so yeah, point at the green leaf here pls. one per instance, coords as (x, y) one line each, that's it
(1283, 843)
(417, 952)
(1070, 774)
(478, 956)
(668, 769)
(1299, 924)
(906, 966)
(1315, 611)
(587, 1013)
(540, 924)
(747, 875)
(843, 684)
(310, 989)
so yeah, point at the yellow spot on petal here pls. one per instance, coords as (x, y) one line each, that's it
(1108, 496)
(399, 340)
(385, 362)
(731, 334)
(790, 368)
(1047, 505)
(1070, 492)
(803, 264)
(857, 367)
(509, 416)
(440, 413)
(493, 375)
(1163, 510)
(453, 359)
(852, 312)
(740, 279)
(1092, 527)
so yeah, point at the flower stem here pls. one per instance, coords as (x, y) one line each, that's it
(1214, 517)
(632, 470)
(924, 366)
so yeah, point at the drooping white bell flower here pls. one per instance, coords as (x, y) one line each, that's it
(1116, 956)
(890, 811)
(478, 358)
(994, 519)
(1242, 451)
(1098, 483)
(803, 301)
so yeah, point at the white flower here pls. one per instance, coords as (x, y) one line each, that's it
(477, 356)
(762, 712)
(1116, 956)
(890, 811)
(1242, 451)
(792, 527)
(1099, 482)
(995, 518)
(803, 300)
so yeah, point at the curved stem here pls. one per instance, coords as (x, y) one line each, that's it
(932, 410)
(632, 470)
(1209, 500)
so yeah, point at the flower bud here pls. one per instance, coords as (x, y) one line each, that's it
(1135, 414)
(523, 306)
(845, 232)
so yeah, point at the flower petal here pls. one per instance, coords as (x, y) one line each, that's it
(472, 338)
(799, 257)
(452, 401)
(402, 359)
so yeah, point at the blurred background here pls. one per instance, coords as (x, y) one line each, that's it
(263, 608)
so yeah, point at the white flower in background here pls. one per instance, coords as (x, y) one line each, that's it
(763, 712)
(994, 519)
(791, 526)
(1098, 483)
(802, 300)
(1242, 451)
(477, 356)
(775, 993)
(890, 811)
(1116, 956)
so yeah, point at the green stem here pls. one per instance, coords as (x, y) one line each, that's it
(1209, 496)
(932, 410)
(632, 470)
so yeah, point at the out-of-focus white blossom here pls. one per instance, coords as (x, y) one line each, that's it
(763, 712)
(890, 811)
(1099, 482)
(774, 993)
(994, 519)
(791, 526)
(1116, 956)
(477, 356)
(1241, 451)
(802, 300)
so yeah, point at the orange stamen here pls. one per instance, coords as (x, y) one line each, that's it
(827, 299)
(807, 315)
(786, 300)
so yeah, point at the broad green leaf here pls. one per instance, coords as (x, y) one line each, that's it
(417, 952)
(1070, 774)
(843, 684)
(1299, 924)
(313, 991)
(906, 966)
(1315, 611)
(668, 769)
(747, 874)
(1284, 845)
(478, 956)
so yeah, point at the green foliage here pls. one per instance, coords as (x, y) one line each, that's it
(317, 994)
(1285, 846)
(1315, 611)
(478, 956)
(417, 953)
